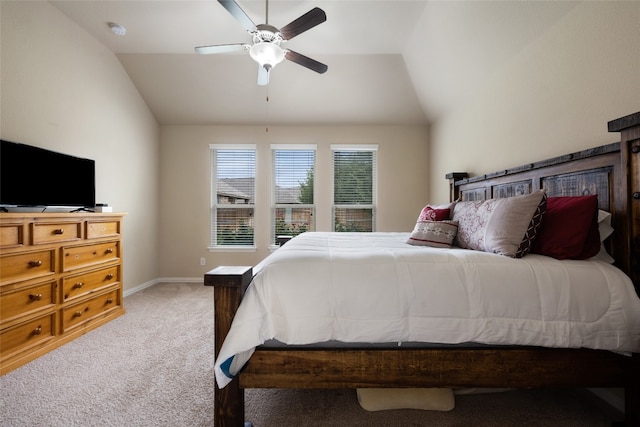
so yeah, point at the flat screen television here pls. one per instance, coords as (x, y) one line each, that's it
(36, 177)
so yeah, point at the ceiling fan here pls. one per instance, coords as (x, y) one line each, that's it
(266, 49)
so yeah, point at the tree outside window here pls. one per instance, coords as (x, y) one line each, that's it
(354, 188)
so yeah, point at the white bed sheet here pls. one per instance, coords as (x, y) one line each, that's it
(374, 287)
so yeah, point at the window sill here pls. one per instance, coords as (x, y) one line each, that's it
(231, 248)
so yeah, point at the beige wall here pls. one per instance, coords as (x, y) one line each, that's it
(554, 97)
(185, 182)
(63, 90)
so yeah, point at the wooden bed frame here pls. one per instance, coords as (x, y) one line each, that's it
(611, 171)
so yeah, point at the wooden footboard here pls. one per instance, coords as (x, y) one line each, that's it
(465, 367)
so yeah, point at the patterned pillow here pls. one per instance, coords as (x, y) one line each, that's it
(503, 226)
(435, 213)
(436, 234)
(534, 228)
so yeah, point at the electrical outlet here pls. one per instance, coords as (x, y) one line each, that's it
(203, 261)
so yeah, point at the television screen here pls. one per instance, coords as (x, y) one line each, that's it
(33, 176)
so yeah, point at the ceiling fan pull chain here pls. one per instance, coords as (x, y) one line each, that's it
(267, 108)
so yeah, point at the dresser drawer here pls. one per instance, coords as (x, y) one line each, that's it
(85, 283)
(11, 235)
(87, 255)
(96, 229)
(16, 302)
(27, 334)
(55, 232)
(77, 314)
(29, 265)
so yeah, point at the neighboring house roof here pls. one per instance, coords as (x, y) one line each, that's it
(231, 187)
(288, 195)
(239, 187)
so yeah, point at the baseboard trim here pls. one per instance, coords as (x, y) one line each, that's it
(150, 283)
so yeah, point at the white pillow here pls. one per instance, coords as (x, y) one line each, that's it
(604, 224)
(605, 229)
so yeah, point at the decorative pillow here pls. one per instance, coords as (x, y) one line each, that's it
(435, 213)
(569, 229)
(533, 229)
(437, 234)
(503, 226)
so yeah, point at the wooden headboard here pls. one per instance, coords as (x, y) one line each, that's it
(602, 171)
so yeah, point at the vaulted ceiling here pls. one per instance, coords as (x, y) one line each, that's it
(390, 62)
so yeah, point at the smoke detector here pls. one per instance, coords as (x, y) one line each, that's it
(117, 29)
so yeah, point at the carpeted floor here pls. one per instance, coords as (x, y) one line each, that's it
(154, 367)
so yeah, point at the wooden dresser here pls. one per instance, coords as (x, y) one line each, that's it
(60, 277)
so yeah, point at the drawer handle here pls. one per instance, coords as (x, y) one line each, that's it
(37, 263)
(77, 314)
(58, 231)
(37, 331)
(109, 276)
(35, 297)
(78, 285)
(109, 300)
(109, 251)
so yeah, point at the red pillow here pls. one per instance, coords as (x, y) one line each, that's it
(429, 213)
(569, 228)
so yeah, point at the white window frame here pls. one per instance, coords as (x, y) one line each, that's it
(274, 205)
(373, 148)
(213, 245)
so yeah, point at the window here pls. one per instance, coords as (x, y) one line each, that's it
(354, 187)
(293, 206)
(233, 172)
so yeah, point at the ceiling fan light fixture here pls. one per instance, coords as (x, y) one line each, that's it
(268, 55)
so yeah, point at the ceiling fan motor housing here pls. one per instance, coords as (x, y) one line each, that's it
(267, 34)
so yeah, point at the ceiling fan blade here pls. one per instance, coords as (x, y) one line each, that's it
(263, 76)
(234, 9)
(305, 61)
(307, 21)
(222, 48)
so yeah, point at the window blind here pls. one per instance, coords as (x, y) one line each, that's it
(233, 195)
(354, 188)
(293, 190)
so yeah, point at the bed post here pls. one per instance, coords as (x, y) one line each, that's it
(229, 285)
(629, 128)
(454, 193)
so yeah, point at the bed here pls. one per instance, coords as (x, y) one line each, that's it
(612, 172)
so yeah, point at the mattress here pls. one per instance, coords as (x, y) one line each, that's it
(376, 288)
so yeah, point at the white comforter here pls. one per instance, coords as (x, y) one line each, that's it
(374, 287)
